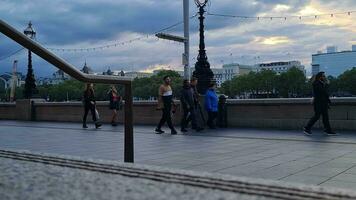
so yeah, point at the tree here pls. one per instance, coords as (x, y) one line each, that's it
(347, 81)
(145, 88)
(292, 83)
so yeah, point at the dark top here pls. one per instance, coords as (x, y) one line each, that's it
(195, 95)
(115, 100)
(187, 97)
(320, 93)
(88, 96)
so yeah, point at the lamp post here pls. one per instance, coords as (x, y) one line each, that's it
(30, 82)
(202, 67)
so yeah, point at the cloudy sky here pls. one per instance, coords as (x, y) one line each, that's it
(92, 23)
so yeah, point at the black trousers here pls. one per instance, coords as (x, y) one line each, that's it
(211, 119)
(320, 110)
(88, 107)
(166, 117)
(189, 115)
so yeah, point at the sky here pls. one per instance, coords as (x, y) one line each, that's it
(92, 23)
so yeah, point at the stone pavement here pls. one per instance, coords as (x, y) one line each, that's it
(268, 154)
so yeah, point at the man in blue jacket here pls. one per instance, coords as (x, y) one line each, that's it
(211, 105)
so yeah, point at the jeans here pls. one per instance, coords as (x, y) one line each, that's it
(211, 119)
(320, 111)
(88, 107)
(166, 117)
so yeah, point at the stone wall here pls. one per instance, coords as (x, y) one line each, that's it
(253, 113)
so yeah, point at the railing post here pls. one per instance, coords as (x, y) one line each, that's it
(129, 138)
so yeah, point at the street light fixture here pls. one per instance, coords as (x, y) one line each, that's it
(30, 82)
(202, 67)
(185, 39)
(201, 3)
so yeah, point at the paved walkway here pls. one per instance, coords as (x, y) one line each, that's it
(268, 154)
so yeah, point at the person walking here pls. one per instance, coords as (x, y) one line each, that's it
(321, 103)
(197, 111)
(211, 105)
(165, 103)
(115, 104)
(90, 104)
(187, 102)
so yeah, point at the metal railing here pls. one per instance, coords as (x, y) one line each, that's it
(61, 64)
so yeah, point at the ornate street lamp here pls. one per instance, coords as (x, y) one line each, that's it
(30, 82)
(202, 67)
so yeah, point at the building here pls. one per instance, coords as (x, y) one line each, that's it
(7, 78)
(108, 72)
(138, 74)
(280, 67)
(229, 71)
(333, 62)
(86, 69)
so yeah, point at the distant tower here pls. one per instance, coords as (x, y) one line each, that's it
(13, 82)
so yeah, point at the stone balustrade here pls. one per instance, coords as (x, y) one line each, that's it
(254, 113)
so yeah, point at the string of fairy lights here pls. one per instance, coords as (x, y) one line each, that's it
(120, 43)
(300, 17)
(115, 44)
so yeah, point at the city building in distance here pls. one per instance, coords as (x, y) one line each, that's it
(280, 67)
(229, 71)
(333, 62)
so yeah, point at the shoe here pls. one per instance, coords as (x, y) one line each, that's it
(183, 130)
(85, 126)
(307, 131)
(330, 133)
(97, 125)
(113, 124)
(199, 129)
(173, 132)
(159, 131)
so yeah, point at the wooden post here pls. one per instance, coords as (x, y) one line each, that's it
(129, 138)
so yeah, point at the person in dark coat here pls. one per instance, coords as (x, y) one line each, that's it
(188, 105)
(89, 104)
(321, 103)
(211, 105)
(198, 113)
(115, 104)
(222, 112)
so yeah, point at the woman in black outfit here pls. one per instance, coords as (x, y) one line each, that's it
(89, 104)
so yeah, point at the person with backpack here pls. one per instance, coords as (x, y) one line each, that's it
(187, 102)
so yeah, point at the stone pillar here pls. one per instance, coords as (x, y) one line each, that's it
(23, 109)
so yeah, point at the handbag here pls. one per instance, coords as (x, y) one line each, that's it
(97, 114)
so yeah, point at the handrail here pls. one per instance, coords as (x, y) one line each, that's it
(69, 69)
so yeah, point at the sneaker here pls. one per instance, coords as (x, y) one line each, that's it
(113, 124)
(173, 132)
(159, 131)
(330, 133)
(97, 125)
(183, 130)
(85, 126)
(307, 131)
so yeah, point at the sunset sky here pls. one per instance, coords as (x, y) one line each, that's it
(93, 23)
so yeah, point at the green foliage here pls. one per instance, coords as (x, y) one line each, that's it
(347, 81)
(292, 83)
(145, 88)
